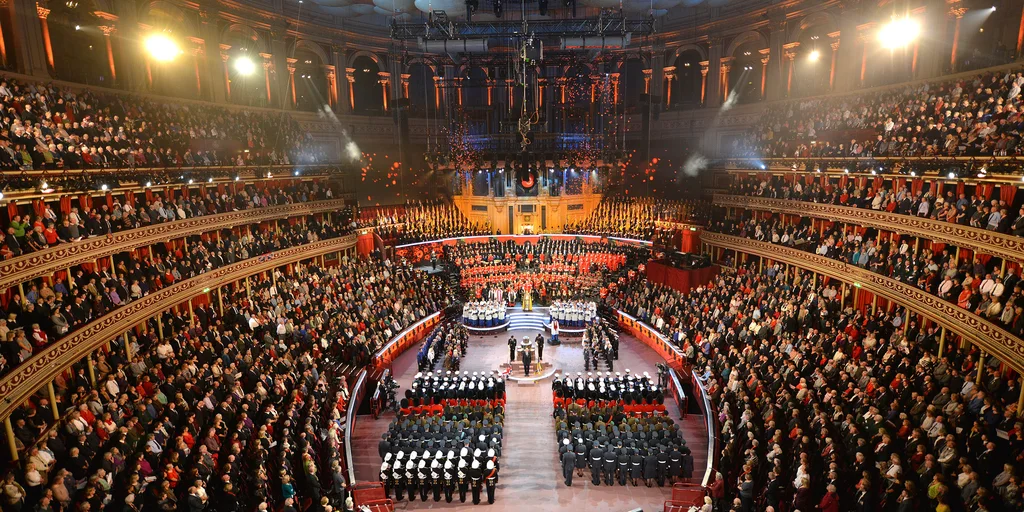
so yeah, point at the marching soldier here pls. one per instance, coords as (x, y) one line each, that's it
(492, 480)
(410, 477)
(435, 478)
(385, 475)
(596, 462)
(449, 481)
(398, 476)
(463, 479)
(422, 472)
(475, 475)
(568, 465)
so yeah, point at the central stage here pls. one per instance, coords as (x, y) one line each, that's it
(537, 320)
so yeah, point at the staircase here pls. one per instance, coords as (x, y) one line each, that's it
(519, 319)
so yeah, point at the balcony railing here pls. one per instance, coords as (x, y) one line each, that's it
(976, 239)
(43, 367)
(64, 256)
(992, 338)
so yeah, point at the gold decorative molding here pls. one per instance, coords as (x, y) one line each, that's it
(64, 256)
(976, 239)
(992, 338)
(43, 367)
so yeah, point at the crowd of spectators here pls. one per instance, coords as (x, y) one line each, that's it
(46, 228)
(980, 115)
(976, 211)
(995, 294)
(240, 412)
(829, 407)
(421, 221)
(50, 309)
(46, 126)
(638, 218)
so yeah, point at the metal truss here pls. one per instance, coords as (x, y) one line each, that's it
(442, 29)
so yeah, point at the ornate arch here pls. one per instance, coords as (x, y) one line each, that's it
(312, 47)
(363, 53)
(422, 61)
(246, 31)
(175, 13)
(750, 36)
(820, 18)
(687, 47)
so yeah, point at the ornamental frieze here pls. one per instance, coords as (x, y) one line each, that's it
(46, 262)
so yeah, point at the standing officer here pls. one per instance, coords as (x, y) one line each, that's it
(596, 461)
(623, 465)
(540, 347)
(527, 358)
(449, 481)
(475, 474)
(492, 480)
(568, 465)
(463, 479)
(385, 475)
(611, 459)
(435, 478)
(581, 457)
(511, 349)
(398, 476)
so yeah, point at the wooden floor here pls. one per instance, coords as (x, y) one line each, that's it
(530, 476)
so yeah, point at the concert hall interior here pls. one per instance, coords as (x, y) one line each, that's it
(608, 255)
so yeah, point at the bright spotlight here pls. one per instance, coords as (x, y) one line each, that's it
(951, 175)
(103, 187)
(814, 56)
(245, 66)
(899, 33)
(162, 48)
(149, 183)
(78, 27)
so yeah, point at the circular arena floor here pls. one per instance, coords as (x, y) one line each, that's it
(530, 477)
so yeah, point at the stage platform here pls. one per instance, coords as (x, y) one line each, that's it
(516, 319)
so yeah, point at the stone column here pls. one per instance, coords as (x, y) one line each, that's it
(108, 32)
(224, 56)
(834, 36)
(217, 86)
(291, 81)
(765, 59)
(350, 77)
(332, 86)
(956, 13)
(713, 98)
(268, 64)
(280, 79)
(703, 81)
(789, 51)
(670, 75)
(776, 39)
(44, 13)
(647, 80)
(385, 80)
(726, 67)
(30, 52)
(405, 84)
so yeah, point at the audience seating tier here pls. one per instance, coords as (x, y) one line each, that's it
(43, 367)
(987, 335)
(976, 239)
(61, 257)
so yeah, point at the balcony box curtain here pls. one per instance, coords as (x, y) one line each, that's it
(809, 179)
(149, 195)
(39, 207)
(86, 202)
(862, 182)
(1007, 193)
(129, 198)
(898, 184)
(110, 201)
(879, 181)
(65, 204)
(184, 192)
(916, 185)
(984, 191)
(12, 210)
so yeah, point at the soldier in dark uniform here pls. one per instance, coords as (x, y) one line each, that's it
(511, 349)
(662, 467)
(385, 475)
(596, 462)
(475, 475)
(581, 457)
(611, 460)
(675, 465)
(650, 468)
(435, 478)
(636, 469)
(398, 476)
(463, 480)
(423, 473)
(540, 347)
(449, 481)
(568, 465)
(623, 465)
(411, 481)
(491, 476)
(527, 360)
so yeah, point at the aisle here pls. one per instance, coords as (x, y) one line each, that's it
(531, 476)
